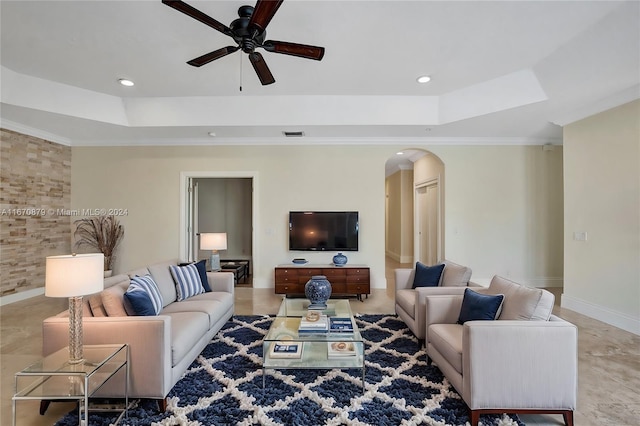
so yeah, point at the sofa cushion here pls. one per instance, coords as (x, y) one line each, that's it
(187, 328)
(455, 275)
(406, 299)
(97, 308)
(476, 306)
(113, 301)
(211, 307)
(447, 339)
(162, 276)
(187, 280)
(144, 296)
(427, 276)
(521, 302)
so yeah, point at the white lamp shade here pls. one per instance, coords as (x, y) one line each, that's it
(74, 275)
(213, 241)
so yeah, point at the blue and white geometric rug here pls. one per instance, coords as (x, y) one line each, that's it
(224, 386)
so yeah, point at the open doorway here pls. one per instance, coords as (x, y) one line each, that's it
(414, 207)
(220, 204)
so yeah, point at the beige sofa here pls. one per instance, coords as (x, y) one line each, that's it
(523, 362)
(161, 347)
(410, 303)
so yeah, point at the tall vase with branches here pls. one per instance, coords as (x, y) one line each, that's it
(103, 233)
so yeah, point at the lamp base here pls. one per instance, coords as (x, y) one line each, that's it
(215, 262)
(76, 355)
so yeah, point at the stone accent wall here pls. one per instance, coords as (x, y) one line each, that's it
(35, 190)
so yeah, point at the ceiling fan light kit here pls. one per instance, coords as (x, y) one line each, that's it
(249, 33)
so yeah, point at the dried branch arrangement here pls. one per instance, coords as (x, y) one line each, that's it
(103, 233)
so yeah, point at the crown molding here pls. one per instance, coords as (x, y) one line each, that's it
(32, 131)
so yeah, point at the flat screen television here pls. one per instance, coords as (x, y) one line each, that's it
(323, 231)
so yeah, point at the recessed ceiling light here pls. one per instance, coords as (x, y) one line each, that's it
(212, 134)
(125, 82)
(399, 153)
(423, 79)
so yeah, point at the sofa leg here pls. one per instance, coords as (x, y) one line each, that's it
(475, 417)
(162, 405)
(568, 417)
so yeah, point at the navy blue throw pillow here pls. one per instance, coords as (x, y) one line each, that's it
(202, 270)
(427, 276)
(476, 306)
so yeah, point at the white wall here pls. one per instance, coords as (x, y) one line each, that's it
(602, 198)
(502, 208)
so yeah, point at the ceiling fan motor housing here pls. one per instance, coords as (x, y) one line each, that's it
(247, 40)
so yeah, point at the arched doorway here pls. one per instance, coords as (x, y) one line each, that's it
(414, 207)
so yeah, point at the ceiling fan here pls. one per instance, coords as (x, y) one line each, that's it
(249, 33)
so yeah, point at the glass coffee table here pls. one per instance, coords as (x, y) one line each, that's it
(319, 350)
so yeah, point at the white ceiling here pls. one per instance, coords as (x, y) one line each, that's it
(503, 72)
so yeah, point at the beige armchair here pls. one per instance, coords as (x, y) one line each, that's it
(507, 365)
(410, 303)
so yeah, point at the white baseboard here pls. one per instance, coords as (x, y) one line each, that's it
(23, 295)
(601, 313)
(545, 282)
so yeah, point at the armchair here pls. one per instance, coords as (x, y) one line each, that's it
(410, 302)
(505, 366)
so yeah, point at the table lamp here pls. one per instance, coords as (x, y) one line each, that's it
(214, 241)
(74, 276)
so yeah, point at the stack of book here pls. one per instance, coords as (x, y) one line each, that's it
(314, 322)
(340, 325)
(340, 349)
(286, 349)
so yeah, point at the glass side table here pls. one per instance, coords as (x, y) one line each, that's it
(53, 378)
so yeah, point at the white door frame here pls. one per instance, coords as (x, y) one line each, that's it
(185, 177)
(416, 217)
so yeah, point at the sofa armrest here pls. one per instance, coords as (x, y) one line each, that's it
(404, 278)
(221, 281)
(441, 309)
(520, 364)
(148, 337)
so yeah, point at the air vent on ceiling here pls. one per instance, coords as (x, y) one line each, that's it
(293, 134)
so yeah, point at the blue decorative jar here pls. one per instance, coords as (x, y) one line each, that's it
(339, 259)
(318, 291)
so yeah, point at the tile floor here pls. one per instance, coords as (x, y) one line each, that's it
(608, 378)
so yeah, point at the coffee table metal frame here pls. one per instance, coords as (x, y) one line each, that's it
(314, 345)
(54, 378)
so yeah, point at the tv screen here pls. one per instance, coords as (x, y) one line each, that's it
(323, 231)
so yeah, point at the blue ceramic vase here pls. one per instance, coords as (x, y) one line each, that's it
(318, 291)
(339, 259)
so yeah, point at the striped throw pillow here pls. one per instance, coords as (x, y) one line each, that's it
(187, 279)
(144, 295)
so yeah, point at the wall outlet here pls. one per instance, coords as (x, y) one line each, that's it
(580, 236)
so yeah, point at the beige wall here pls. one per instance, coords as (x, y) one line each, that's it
(146, 181)
(399, 195)
(502, 204)
(35, 193)
(503, 211)
(602, 198)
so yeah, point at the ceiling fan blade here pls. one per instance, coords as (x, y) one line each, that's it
(212, 56)
(262, 14)
(261, 68)
(196, 14)
(294, 49)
